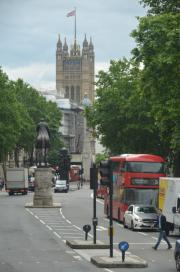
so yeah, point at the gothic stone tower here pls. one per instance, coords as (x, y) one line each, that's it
(75, 80)
(75, 71)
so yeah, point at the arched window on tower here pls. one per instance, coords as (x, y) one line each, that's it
(66, 92)
(77, 94)
(72, 92)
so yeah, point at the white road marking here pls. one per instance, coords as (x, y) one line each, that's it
(77, 257)
(68, 221)
(100, 201)
(97, 200)
(66, 233)
(108, 270)
(49, 227)
(77, 227)
(29, 211)
(73, 237)
(69, 228)
(70, 251)
(42, 222)
(142, 233)
(56, 223)
(57, 234)
(101, 228)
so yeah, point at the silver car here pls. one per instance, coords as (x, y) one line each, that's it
(61, 186)
(141, 217)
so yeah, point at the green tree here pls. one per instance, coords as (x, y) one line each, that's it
(120, 115)
(33, 108)
(101, 157)
(158, 49)
(10, 117)
(161, 6)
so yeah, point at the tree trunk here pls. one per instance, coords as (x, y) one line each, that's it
(31, 157)
(16, 157)
(4, 168)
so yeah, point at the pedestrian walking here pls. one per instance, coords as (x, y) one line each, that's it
(162, 230)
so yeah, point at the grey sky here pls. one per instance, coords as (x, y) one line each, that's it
(29, 31)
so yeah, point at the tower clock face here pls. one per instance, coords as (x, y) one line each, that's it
(72, 64)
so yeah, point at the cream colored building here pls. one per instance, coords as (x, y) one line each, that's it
(75, 70)
(75, 81)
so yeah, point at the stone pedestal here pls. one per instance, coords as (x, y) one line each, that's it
(43, 188)
(43, 197)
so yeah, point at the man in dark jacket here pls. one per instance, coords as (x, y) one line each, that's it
(162, 230)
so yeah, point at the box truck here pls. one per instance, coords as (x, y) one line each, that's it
(17, 180)
(169, 202)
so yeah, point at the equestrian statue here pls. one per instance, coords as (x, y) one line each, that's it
(42, 143)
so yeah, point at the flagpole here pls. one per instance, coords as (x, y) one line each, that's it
(75, 29)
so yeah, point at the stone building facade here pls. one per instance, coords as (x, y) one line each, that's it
(75, 71)
(75, 81)
(72, 125)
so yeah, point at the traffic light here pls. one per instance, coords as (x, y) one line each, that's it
(64, 164)
(93, 177)
(105, 172)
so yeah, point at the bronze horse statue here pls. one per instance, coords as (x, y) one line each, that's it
(42, 143)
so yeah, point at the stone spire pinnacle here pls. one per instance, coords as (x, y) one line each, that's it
(59, 43)
(85, 42)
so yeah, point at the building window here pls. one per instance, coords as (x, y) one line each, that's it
(67, 92)
(78, 94)
(72, 92)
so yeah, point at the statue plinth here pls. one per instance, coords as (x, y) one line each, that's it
(43, 197)
(43, 187)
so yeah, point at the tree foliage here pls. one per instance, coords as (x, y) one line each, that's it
(158, 48)
(120, 116)
(21, 108)
(161, 6)
(10, 117)
(137, 107)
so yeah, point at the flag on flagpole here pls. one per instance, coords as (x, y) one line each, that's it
(72, 13)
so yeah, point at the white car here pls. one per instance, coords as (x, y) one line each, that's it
(141, 217)
(61, 186)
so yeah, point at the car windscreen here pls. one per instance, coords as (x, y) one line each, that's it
(60, 182)
(145, 209)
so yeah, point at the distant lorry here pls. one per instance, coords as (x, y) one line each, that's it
(169, 202)
(17, 181)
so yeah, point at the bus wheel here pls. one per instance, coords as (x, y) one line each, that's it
(132, 225)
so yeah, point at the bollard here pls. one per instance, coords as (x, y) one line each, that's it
(86, 229)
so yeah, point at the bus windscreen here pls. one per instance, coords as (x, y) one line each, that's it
(140, 196)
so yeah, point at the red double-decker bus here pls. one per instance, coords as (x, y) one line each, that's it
(135, 181)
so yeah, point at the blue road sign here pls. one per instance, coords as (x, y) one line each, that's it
(123, 246)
